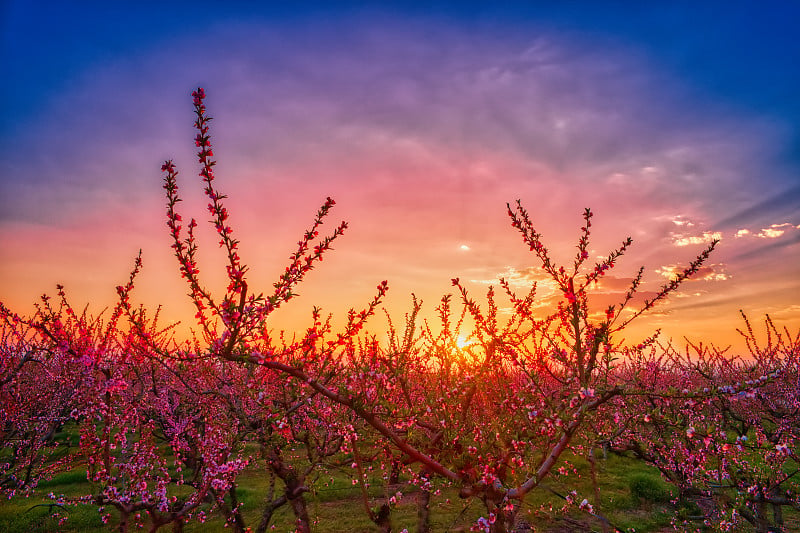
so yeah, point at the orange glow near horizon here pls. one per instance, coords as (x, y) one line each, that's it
(93, 260)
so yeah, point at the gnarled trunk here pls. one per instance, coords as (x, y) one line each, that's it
(424, 511)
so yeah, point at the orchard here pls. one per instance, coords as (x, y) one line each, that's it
(164, 431)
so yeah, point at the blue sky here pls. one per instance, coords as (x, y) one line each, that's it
(745, 53)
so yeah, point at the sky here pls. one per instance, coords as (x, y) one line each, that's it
(676, 124)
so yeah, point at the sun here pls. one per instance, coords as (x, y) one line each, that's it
(462, 342)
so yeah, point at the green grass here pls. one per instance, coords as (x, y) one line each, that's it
(632, 496)
(72, 477)
(39, 513)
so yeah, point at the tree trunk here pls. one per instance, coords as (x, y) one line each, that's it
(503, 517)
(384, 519)
(300, 510)
(499, 526)
(394, 473)
(424, 511)
(124, 517)
(236, 515)
(123, 522)
(266, 514)
(596, 487)
(777, 509)
(294, 488)
(761, 522)
(777, 514)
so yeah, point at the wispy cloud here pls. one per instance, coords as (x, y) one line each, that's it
(678, 221)
(681, 239)
(523, 278)
(772, 232)
(712, 272)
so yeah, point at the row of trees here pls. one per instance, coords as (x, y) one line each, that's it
(166, 427)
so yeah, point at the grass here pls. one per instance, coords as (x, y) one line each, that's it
(633, 496)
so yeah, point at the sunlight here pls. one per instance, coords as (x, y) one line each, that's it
(463, 342)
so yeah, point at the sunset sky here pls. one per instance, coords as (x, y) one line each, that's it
(675, 123)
